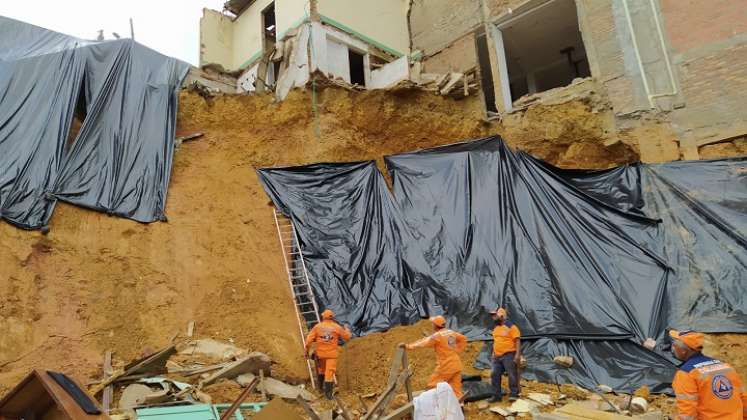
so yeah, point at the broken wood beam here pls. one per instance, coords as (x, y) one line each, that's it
(455, 78)
(405, 410)
(307, 408)
(386, 397)
(236, 404)
(406, 366)
(345, 414)
(106, 398)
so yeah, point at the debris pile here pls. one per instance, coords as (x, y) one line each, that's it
(193, 375)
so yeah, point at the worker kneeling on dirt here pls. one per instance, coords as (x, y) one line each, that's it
(325, 335)
(705, 388)
(447, 344)
(506, 355)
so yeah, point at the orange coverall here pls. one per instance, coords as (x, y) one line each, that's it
(325, 335)
(707, 388)
(447, 344)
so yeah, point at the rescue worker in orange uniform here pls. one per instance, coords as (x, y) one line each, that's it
(325, 336)
(447, 344)
(506, 355)
(705, 388)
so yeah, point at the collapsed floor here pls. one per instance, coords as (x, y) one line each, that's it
(97, 282)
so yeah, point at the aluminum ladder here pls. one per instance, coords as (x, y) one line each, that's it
(307, 312)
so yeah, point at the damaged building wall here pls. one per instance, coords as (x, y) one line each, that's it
(442, 33)
(238, 43)
(382, 23)
(216, 39)
(682, 65)
(708, 42)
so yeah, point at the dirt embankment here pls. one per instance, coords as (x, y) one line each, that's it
(98, 282)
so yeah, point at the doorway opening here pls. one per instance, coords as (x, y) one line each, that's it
(357, 69)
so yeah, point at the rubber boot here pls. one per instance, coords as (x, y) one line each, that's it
(320, 382)
(328, 389)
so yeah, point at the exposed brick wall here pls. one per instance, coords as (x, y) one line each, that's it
(713, 86)
(696, 23)
(458, 57)
(435, 24)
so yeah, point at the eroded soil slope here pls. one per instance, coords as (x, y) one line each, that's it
(98, 282)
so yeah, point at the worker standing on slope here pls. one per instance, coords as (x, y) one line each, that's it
(705, 388)
(447, 344)
(325, 335)
(506, 355)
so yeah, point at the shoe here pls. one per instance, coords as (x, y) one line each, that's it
(328, 390)
(512, 399)
(495, 399)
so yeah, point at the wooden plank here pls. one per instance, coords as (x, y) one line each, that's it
(309, 411)
(396, 365)
(345, 414)
(383, 402)
(408, 386)
(407, 409)
(455, 78)
(191, 325)
(576, 410)
(236, 404)
(106, 398)
(261, 381)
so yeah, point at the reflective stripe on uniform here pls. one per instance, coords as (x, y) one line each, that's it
(684, 417)
(710, 373)
(689, 397)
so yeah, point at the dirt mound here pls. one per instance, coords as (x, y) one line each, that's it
(97, 282)
(364, 364)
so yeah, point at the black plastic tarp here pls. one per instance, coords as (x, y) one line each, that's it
(589, 263)
(120, 162)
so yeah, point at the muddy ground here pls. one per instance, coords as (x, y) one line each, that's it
(98, 282)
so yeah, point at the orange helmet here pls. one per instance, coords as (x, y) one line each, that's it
(328, 314)
(438, 321)
(499, 311)
(693, 340)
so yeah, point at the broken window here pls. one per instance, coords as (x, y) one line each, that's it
(543, 48)
(269, 27)
(357, 69)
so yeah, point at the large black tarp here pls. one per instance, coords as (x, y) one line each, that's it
(120, 162)
(589, 263)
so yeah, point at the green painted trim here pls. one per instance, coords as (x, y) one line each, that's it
(258, 54)
(379, 45)
(294, 25)
(251, 59)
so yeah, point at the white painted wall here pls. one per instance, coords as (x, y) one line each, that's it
(248, 31)
(247, 34)
(337, 60)
(384, 21)
(390, 73)
(216, 39)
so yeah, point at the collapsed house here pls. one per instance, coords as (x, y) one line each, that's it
(277, 45)
(642, 56)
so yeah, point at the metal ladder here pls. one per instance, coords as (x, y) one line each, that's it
(307, 312)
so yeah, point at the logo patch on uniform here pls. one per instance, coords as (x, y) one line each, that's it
(452, 341)
(722, 387)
